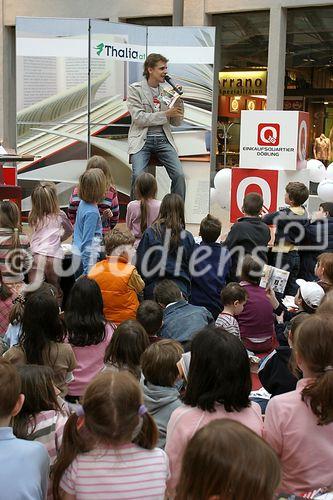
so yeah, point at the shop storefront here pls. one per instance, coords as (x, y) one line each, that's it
(308, 76)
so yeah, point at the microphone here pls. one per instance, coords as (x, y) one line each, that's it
(173, 85)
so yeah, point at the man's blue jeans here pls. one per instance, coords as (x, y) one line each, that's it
(166, 155)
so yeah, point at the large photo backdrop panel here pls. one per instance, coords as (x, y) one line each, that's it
(117, 53)
(52, 102)
(190, 51)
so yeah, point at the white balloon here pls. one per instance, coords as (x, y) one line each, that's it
(222, 180)
(213, 196)
(221, 199)
(317, 170)
(329, 172)
(325, 190)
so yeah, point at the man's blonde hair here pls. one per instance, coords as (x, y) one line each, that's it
(92, 186)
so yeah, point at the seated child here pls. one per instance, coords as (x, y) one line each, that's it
(299, 424)
(324, 271)
(233, 298)
(249, 233)
(221, 452)
(150, 316)
(41, 418)
(275, 370)
(181, 320)
(318, 233)
(117, 278)
(42, 341)
(289, 222)
(109, 449)
(24, 467)
(126, 347)
(87, 333)
(256, 321)
(159, 368)
(209, 274)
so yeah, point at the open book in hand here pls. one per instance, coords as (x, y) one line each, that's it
(170, 98)
(274, 278)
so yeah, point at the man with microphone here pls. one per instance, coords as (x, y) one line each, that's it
(150, 131)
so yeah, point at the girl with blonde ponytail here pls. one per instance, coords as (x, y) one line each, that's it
(15, 255)
(299, 424)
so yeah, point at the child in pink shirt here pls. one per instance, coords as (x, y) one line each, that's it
(50, 226)
(88, 333)
(109, 445)
(299, 424)
(219, 385)
(143, 211)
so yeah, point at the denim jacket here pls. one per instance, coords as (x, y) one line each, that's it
(182, 320)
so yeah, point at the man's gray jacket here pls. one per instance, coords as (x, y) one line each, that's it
(141, 107)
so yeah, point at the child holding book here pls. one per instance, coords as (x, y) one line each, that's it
(290, 222)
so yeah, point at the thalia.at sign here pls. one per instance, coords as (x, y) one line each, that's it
(118, 51)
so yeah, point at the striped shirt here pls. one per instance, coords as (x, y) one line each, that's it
(48, 431)
(229, 323)
(110, 202)
(14, 261)
(126, 472)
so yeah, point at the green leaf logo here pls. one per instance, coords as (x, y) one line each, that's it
(99, 48)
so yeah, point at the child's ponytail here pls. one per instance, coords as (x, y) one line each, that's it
(75, 440)
(314, 348)
(10, 218)
(145, 189)
(320, 396)
(148, 435)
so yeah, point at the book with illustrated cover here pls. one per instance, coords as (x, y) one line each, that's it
(274, 278)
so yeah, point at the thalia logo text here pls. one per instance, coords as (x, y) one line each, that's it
(118, 51)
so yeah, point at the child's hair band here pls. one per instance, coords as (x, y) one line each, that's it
(19, 299)
(142, 410)
(79, 410)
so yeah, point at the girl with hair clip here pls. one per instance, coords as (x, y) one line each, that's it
(15, 254)
(167, 231)
(108, 449)
(142, 212)
(216, 465)
(299, 424)
(87, 333)
(50, 226)
(126, 347)
(218, 386)
(43, 416)
(42, 340)
(109, 206)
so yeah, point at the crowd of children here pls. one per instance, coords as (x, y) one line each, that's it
(138, 385)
